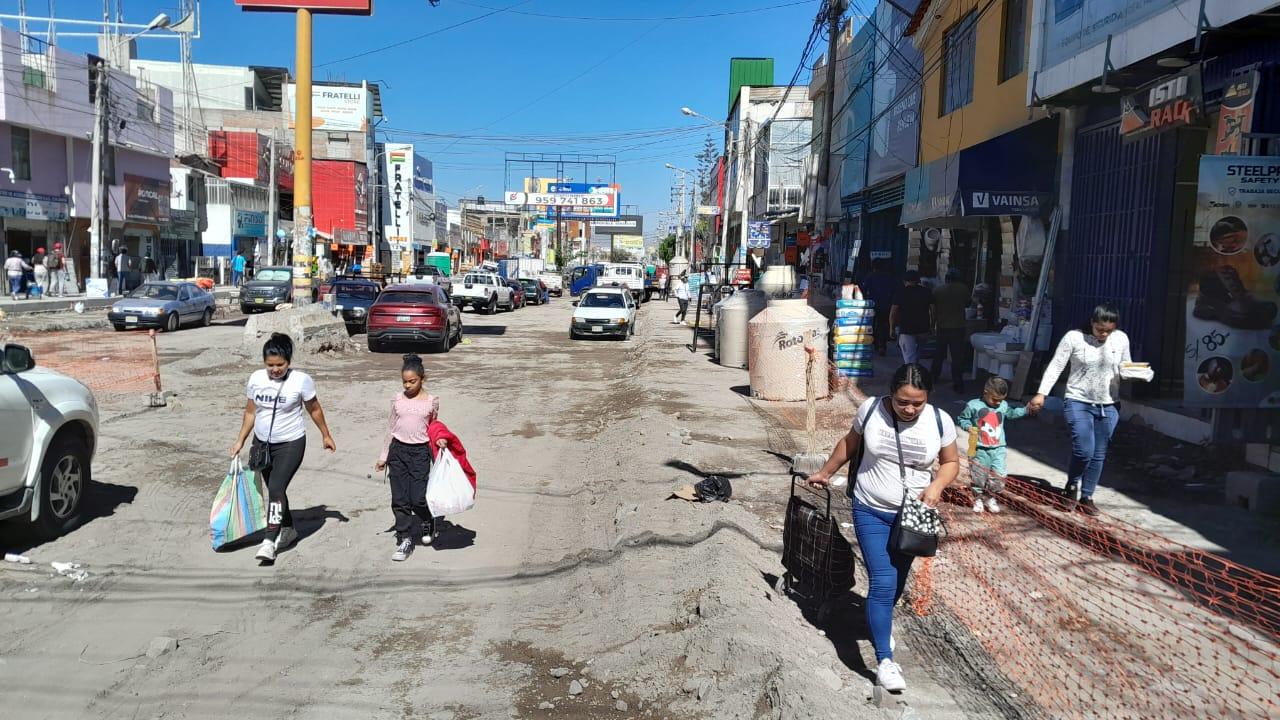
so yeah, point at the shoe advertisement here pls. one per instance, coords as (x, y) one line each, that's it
(1233, 333)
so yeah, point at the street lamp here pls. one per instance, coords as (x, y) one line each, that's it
(724, 210)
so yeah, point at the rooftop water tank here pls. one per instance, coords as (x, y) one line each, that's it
(777, 358)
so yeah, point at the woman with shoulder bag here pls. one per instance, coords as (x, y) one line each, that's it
(273, 413)
(896, 440)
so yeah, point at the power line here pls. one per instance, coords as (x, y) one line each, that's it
(727, 13)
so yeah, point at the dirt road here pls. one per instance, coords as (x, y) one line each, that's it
(574, 583)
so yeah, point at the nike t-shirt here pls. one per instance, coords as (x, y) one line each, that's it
(879, 482)
(286, 397)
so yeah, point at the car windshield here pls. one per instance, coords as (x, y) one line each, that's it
(273, 274)
(406, 297)
(530, 284)
(359, 292)
(482, 279)
(602, 300)
(156, 292)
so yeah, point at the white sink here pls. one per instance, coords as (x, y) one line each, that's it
(983, 340)
(990, 355)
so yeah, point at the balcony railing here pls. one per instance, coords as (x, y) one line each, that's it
(37, 66)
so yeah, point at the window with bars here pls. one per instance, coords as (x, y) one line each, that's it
(960, 48)
(1013, 39)
(20, 152)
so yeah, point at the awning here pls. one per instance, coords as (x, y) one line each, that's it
(1013, 174)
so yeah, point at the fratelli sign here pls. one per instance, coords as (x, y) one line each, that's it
(398, 174)
(1170, 102)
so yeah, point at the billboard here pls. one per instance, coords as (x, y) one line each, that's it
(336, 108)
(855, 112)
(397, 172)
(630, 243)
(146, 199)
(624, 225)
(895, 101)
(1073, 26)
(341, 7)
(586, 212)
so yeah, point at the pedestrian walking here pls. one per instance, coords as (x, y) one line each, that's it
(879, 287)
(148, 267)
(1092, 357)
(123, 263)
(14, 269)
(984, 419)
(237, 268)
(911, 316)
(57, 264)
(277, 397)
(39, 265)
(895, 440)
(666, 287)
(681, 288)
(407, 454)
(949, 301)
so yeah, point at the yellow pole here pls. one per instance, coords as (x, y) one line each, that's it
(303, 246)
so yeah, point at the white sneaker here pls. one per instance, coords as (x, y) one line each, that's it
(403, 550)
(977, 505)
(992, 505)
(287, 537)
(267, 551)
(889, 676)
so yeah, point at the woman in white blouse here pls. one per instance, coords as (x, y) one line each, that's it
(1094, 356)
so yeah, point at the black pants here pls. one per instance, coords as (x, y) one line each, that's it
(684, 308)
(951, 341)
(286, 458)
(880, 330)
(409, 467)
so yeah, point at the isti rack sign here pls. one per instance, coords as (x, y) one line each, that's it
(1170, 102)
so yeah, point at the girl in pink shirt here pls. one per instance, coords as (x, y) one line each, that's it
(406, 451)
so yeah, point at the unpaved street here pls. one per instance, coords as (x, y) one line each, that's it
(572, 566)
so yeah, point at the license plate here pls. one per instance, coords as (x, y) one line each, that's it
(131, 318)
(339, 307)
(403, 318)
(258, 300)
(597, 328)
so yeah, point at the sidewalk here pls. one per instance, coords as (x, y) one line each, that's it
(223, 293)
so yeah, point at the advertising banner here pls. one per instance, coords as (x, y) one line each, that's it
(1232, 355)
(344, 7)
(1073, 26)
(1169, 102)
(398, 174)
(250, 223)
(856, 119)
(146, 199)
(632, 243)
(1236, 117)
(33, 206)
(895, 103)
(758, 235)
(344, 109)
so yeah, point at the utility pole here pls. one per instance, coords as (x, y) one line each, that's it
(835, 10)
(273, 210)
(303, 247)
(98, 207)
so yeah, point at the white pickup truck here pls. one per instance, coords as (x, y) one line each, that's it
(553, 281)
(50, 432)
(483, 291)
(630, 275)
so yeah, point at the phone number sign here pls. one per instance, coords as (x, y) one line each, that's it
(582, 200)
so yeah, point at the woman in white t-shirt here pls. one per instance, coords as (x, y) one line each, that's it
(277, 397)
(901, 437)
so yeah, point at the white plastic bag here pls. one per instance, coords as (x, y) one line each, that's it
(448, 490)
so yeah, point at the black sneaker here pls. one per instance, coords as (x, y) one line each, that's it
(1087, 507)
(1224, 298)
(1069, 498)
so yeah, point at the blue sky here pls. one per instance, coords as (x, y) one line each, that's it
(518, 75)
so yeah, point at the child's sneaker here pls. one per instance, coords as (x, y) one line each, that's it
(403, 550)
(992, 505)
(977, 505)
(889, 676)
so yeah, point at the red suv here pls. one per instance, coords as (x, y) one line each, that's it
(414, 314)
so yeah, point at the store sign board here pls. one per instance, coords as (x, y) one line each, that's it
(1073, 26)
(1170, 102)
(146, 199)
(250, 223)
(1232, 353)
(33, 206)
(341, 7)
(397, 172)
(1236, 117)
(342, 109)
(758, 234)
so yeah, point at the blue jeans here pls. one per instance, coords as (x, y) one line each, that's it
(1091, 428)
(15, 284)
(236, 276)
(887, 570)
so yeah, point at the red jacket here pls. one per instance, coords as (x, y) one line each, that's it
(437, 430)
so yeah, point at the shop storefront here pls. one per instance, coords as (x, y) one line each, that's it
(249, 233)
(31, 221)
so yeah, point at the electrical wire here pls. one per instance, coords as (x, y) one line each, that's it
(423, 36)
(727, 13)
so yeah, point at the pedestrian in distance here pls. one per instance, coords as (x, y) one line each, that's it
(911, 316)
(148, 267)
(895, 440)
(15, 268)
(40, 265)
(949, 301)
(57, 264)
(984, 419)
(407, 455)
(123, 263)
(681, 289)
(666, 288)
(1092, 356)
(277, 398)
(238, 264)
(879, 287)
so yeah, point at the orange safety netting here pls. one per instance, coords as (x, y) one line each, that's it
(109, 364)
(1093, 616)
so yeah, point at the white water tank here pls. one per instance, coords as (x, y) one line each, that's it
(679, 265)
(777, 358)
(777, 281)
(732, 316)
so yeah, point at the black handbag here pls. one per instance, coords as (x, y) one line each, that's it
(915, 529)
(259, 451)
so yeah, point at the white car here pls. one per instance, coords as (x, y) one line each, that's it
(604, 311)
(50, 433)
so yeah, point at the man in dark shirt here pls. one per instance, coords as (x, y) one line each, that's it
(949, 301)
(879, 287)
(911, 315)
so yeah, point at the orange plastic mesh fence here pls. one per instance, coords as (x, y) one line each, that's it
(1094, 615)
(112, 365)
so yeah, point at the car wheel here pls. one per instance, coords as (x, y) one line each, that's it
(171, 324)
(207, 319)
(374, 345)
(119, 327)
(457, 337)
(573, 335)
(442, 346)
(64, 475)
(493, 306)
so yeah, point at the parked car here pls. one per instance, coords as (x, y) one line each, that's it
(517, 293)
(430, 274)
(167, 305)
(484, 291)
(604, 311)
(351, 301)
(269, 288)
(50, 433)
(553, 282)
(414, 314)
(534, 291)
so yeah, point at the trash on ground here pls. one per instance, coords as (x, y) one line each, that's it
(16, 558)
(71, 570)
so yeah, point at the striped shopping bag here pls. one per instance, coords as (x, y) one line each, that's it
(238, 508)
